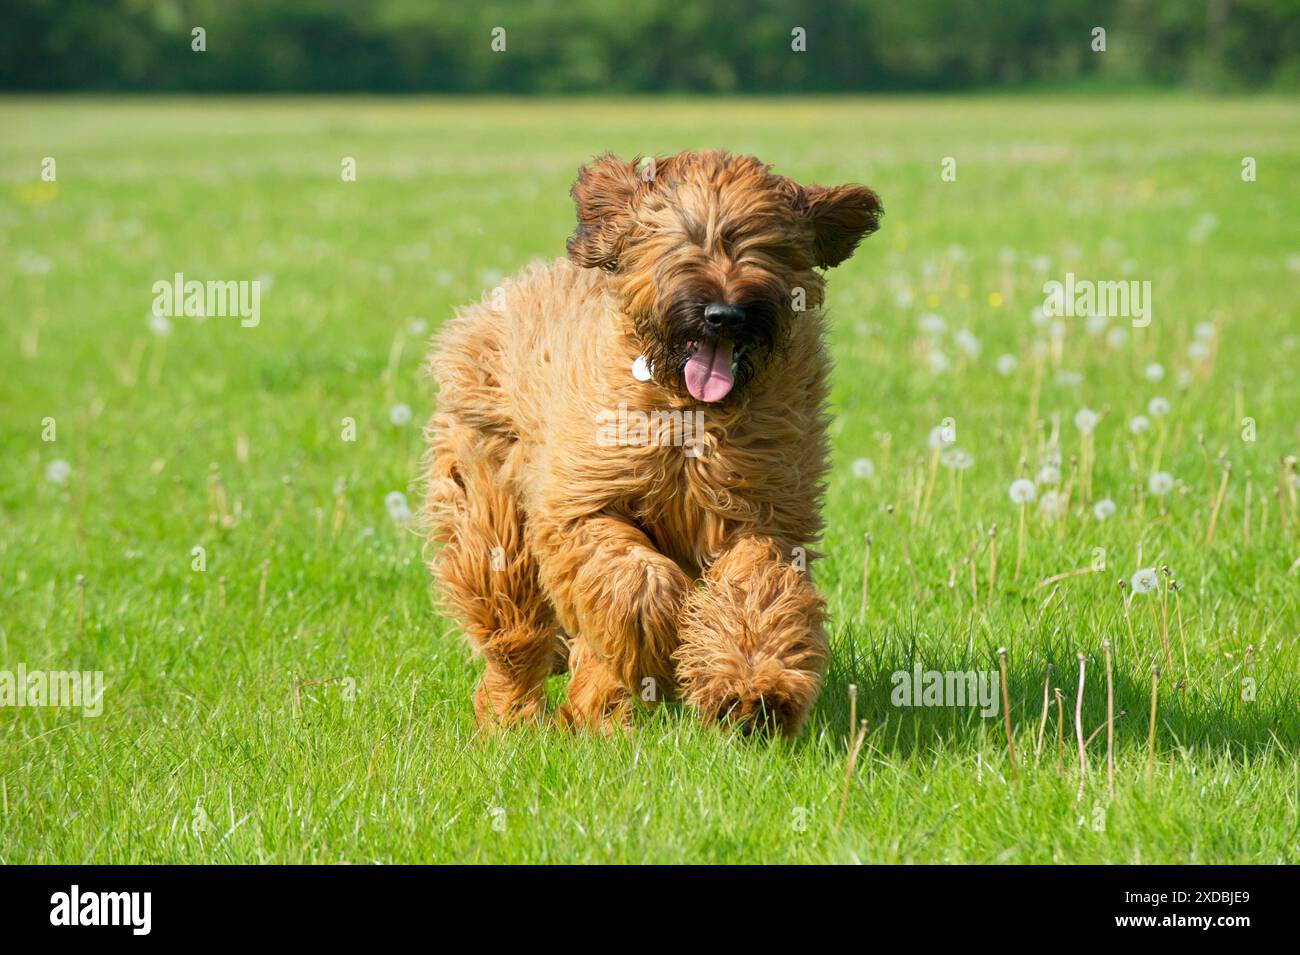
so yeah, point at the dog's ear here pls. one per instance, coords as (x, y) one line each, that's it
(603, 194)
(841, 216)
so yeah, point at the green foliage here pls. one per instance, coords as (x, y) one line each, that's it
(648, 45)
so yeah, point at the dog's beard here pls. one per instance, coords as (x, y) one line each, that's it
(688, 357)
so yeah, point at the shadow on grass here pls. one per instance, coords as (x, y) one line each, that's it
(1197, 713)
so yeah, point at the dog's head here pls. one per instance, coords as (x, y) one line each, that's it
(712, 257)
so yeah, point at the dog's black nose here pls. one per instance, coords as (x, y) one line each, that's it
(719, 315)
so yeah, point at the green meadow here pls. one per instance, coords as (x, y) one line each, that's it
(206, 511)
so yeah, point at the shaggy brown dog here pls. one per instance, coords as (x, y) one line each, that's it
(626, 461)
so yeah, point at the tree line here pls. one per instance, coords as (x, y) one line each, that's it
(624, 46)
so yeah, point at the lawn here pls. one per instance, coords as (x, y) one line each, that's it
(289, 694)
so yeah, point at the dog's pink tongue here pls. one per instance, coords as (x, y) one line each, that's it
(708, 371)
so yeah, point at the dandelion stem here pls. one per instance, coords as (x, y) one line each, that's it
(1182, 633)
(1289, 463)
(340, 509)
(1006, 710)
(907, 555)
(1151, 730)
(261, 586)
(1164, 619)
(1042, 722)
(1060, 726)
(993, 562)
(1205, 456)
(1020, 544)
(1128, 619)
(1155, 616)
(1078, 732)
(853, 710)
(866, 580)
(81, 610)
(929, 487)
(848, 774)
(1110, 724)
(1218, 503)
(1245, 522)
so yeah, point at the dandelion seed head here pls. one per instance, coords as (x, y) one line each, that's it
(1052, 504)
(1086, 420)
(957, 460)
(932, 324)
(938, 362)
(1022, 491)
(398, 509)
(966, 341)
(1145, 580)
(940, 437)
(1161, 483)
(1103, 509)
(400, 414)
(33, 264)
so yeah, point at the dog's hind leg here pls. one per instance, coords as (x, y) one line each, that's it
(753, 644)
(485, 572)
(597, 699)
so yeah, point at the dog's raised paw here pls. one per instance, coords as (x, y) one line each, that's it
(764, 697)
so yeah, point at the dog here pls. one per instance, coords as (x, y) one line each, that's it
(650, 568)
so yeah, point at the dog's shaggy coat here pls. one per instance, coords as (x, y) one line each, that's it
(649, 570)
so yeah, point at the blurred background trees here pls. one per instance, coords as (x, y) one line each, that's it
(555, 46)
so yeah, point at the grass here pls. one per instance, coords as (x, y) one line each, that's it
(299, 701)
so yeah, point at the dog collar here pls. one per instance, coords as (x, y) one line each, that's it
(642, 370)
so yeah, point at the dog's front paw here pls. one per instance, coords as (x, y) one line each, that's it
(753, 647)
(762, 695)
